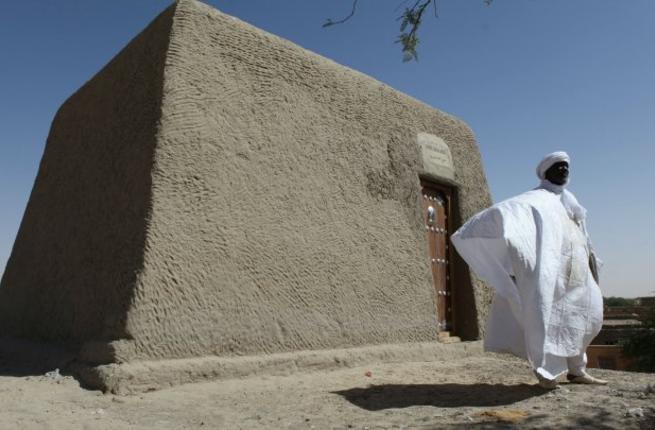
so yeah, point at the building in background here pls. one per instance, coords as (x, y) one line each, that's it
(620, 323)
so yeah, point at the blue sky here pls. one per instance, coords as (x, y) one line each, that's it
(528, 76)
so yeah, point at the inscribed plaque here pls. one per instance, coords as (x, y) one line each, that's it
(437, 159)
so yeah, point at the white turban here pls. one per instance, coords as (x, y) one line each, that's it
(575, 210)
(549, 160)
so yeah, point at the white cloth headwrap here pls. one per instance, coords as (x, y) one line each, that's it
(575, 210)
(549, 160)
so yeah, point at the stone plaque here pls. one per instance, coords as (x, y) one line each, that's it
(436, 156)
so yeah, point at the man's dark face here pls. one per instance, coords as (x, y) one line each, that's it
(558, 173)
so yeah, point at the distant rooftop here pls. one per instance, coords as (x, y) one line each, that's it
(621, 323)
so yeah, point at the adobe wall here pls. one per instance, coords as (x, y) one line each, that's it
(79, 249)
(216, 190)
(286, 201)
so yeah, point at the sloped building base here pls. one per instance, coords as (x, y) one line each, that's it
(135, 377)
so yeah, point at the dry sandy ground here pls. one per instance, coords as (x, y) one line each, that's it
(487, 391)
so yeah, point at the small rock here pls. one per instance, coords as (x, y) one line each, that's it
(635, 412)
(368, 373)
(117, 400)
(99, 412)
(650, 389)
(54, 375)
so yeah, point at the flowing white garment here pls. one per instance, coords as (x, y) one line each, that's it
(547, 305)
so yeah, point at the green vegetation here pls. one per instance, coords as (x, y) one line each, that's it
(641, 345)
(613, 302)
(410, 22)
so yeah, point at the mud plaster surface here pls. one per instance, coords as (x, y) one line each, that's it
(410, 395)
(247, 197)
(285, 201)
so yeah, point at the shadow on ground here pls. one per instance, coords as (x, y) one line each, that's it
(378, 397)
(26, 358)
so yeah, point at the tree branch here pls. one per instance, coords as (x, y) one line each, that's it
(329, 21)
(410, 22)
(412, 18)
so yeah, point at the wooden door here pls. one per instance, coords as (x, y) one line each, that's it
(436, 216)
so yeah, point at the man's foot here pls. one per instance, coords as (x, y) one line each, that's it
(548, 384)
(585, 379)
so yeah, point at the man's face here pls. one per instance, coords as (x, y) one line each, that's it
(558, 173)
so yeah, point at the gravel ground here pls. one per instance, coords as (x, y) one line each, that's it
(480, 392)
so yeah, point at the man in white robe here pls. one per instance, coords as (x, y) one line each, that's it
(534, 250)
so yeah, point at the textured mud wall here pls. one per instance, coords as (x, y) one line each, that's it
(73, 268)
(218, 190)
(285, 201)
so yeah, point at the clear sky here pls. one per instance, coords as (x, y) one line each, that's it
(529, 77)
